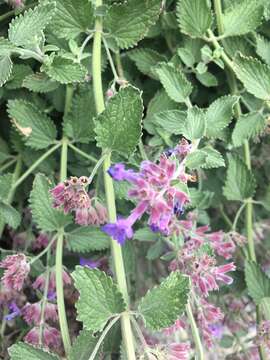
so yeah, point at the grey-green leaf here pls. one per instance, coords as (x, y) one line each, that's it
(40, 83)
(25, 27)
(83, 346)
(23, 351)
(163, 304)
(99, 298)
(240, 183)
(248, 126)
(194, 17)
(171, 120)
(174, 82)
(129, 22)
(10, 215)
(5, 69)
(37, 128)
(87, 238)
(254, 75)
(195, 124)
(44, 215)
(257, 281)
(119, 126)
(219, 115)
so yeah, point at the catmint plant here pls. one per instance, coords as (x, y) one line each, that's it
(134, 179)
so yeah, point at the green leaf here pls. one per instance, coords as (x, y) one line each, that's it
(20, 71)
(83, 346)
(44, 215)
(118, 127)
(145, 234)
(72, 18)
(194, 127)
(5, 69)
(219, 115)
(99, 298)
(26, 27)
(22, 351)
(65, 70)
(37, 128)
(129, 22)
(254, 75)
(171, 120)
(242, 17)
(40, 83)
(207, 79)
(200, 199)
(10, 215)
(163, 304)
(240, 183)
(6, 47)
(145, 60)
(248, 126)
(263, 48)
(87, 238)
(174, 82)
(265, 306)
(257, 281)
(206, 158)
(194, 17)
(186, 56)
(5, 181)
(79, 124)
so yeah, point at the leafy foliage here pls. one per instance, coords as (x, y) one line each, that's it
(87, 238)
(83, 346)
(99, 299)
(21, 351)
(163, 304)
(118, 128)
(10, 215)
(195, 125)
(205, 158)
(248, 126)
(40, 83)
(258, 282)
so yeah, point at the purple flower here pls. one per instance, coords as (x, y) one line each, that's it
(17, 269)
(14, 311)
(89, 263)
(119, 173)
(122, 229)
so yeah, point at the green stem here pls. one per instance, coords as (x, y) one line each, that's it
(109, 190)
(102, 337)
(195, 333)
(44, 300)
(43, 252)
(115, 75)
(142, 150)
(239, 212)
(60, 242)
(119, 66)
(35, 165)
(7, 165)
(82, 153)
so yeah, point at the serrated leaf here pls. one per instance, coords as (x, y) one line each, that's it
(171, 120)
(247, 126)
(240, 183)
(118, 127)
(5, 69)
(186, 56)
(145, 234)
(22, 351)
(79, 124)
(200, 199)
(10, 215)
(25, 27)
(44, 215)
(99, 298)
(72, 18)
(257, 281)
(219, 115)
(194, 17)
(145, 60)
(40, 83)
(6, 47)
(5, 181)
(236, 44)
(20, 71)
(129, 22)
(163, 304)
(207, 79)
(87, 238)
(37, 128)
(265, 306)
(195, 124)
(263, 48)
(206, 158)
(254, 75)
(65, 70)
(83, 346)
(242, 17)
(174, 82)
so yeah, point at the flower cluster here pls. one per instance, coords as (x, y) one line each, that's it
(263, 334)
(197, 259)
(157, 189)
(17, 270)
(71, 195)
